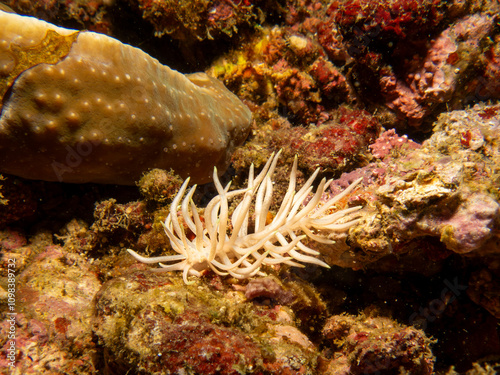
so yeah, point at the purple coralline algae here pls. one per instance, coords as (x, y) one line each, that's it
(142, 318)
(435, 79)
(53, 300)
(446, 188)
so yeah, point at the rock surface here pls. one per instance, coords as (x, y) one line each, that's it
(87, 108)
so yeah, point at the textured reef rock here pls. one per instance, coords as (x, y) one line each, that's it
(488, 85)
(394, 58)
(282, 71)
(194, 20)
(159, 186)
(386, 20)
(436, 79)
(406, 59)
(333, 146)
(156, 324)
(53, 305)
(336, 82)
(366, 345)
(93, 15)
(446, 188)
(82, 107)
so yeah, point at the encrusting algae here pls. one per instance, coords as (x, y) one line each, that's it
(83, 107)
(413, 286)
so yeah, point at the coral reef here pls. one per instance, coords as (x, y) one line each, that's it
(386, 20)
(396, 96)
(207, 244)
(76, 130)
(487, 86)
(418, 55)
(54, 310)
(435, 79)
(366, 345)
(196, 20)
(446, 188)
(159, 186)
(334, 146)
(91, 15)
(389, 143)
(285, 72)
(114, 226)
(115, 223)
(144, 322)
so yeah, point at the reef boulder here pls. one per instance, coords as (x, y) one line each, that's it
(83, 107)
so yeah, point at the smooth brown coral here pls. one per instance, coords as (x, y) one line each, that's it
(107, 112)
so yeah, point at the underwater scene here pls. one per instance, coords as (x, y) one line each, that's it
(291, 187)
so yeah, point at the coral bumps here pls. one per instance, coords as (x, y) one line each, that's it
(92, 109)
(274, 241)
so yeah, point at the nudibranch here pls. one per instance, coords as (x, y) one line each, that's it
(79, 106)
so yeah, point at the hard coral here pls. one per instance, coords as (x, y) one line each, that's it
(87, 117)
